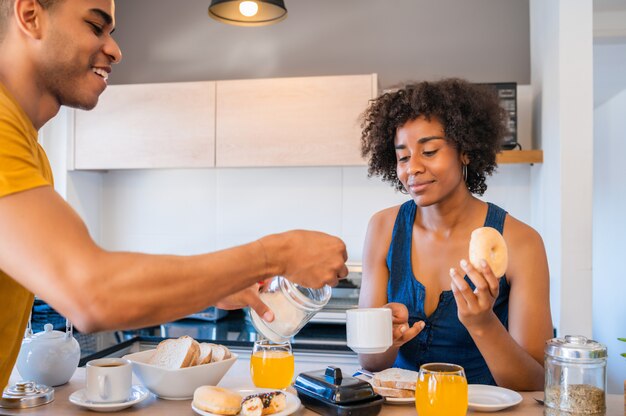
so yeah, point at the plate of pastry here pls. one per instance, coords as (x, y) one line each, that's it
(217, 401)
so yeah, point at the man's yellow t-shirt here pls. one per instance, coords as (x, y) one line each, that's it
(23, 166)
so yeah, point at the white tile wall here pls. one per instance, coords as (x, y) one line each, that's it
(199, 210)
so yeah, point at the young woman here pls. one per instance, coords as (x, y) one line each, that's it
(437, 141)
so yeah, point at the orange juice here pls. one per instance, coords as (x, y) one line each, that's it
(441, 395)
(272, 369)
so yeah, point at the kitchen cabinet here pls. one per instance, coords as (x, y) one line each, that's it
(306, 121)
(312, 121)
(170, 125)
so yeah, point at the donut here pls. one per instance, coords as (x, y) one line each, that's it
(487, 243)
(217, 400)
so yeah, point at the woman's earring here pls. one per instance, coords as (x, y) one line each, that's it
(465, 173)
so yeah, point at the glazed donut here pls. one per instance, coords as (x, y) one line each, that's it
(487, 243)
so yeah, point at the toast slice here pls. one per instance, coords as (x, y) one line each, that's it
(206, 353)
(398, 393)
(219, 353)
(176, 353)
(396, 378)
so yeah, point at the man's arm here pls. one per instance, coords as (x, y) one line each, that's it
(46, 247)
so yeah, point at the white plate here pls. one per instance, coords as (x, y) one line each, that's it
(293, 403)
(491, 398)
(399, 400)
(138, 394)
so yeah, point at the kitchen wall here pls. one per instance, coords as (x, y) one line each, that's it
(189, 211)
(609, 233)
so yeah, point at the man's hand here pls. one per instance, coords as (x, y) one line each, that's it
(247, 297)
(402, 333)
(308, 258)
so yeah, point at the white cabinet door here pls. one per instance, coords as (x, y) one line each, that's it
(148, 126)
(312, 121)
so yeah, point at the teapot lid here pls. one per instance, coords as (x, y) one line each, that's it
(48, 333)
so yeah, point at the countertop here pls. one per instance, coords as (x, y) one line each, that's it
(238, 377)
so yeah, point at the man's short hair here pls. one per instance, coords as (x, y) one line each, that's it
(6, 9)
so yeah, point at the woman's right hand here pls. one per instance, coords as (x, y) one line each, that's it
(402, 333)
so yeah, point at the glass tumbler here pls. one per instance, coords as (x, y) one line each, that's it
(272, 364)
(441, 390)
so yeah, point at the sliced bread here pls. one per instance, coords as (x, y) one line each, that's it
(396, 378)
(176, 353)
(389, 392)
(219, 353)
(206, 353)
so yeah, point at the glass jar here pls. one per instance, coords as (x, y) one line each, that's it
(293, 306)
(575, 382)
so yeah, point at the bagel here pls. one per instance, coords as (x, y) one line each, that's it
(217, 400)
(487, 243)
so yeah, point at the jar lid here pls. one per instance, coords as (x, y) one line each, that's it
(575, 347)
(25, 394)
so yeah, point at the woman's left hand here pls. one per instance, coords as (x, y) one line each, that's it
(475, 307)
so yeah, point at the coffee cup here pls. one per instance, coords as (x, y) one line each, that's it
(369, 330)
(108, 380)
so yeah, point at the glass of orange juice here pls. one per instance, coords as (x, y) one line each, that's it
(441, 390)
(272, 364)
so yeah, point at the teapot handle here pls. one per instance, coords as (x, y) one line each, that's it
(29, 326)
(69, 328)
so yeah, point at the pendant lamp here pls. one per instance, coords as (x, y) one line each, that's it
(248, 12)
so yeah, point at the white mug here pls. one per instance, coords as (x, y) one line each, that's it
(369, 330)
(109, 380)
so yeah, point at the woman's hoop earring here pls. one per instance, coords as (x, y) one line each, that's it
(465, 173)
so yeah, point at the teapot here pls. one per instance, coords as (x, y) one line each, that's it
(48, 357)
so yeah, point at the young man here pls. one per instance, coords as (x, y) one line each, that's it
(60, 52)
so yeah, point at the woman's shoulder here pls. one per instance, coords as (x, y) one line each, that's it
(385, 217)
(517, 231)
(524, 243)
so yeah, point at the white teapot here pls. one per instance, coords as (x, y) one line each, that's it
(48, 357)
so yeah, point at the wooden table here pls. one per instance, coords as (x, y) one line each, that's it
(238, 377)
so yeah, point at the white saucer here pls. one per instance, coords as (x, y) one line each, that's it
(138, 394)
(491, 398)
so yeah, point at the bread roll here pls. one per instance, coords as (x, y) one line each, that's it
(217, 400)
(487, 243)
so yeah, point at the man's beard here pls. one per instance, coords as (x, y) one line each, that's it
(64, 80)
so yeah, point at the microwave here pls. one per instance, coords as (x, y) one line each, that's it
(344, 296)
(507, 94)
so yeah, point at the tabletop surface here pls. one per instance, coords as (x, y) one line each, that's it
(238, 378)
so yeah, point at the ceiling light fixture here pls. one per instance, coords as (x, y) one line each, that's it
(248, 12)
